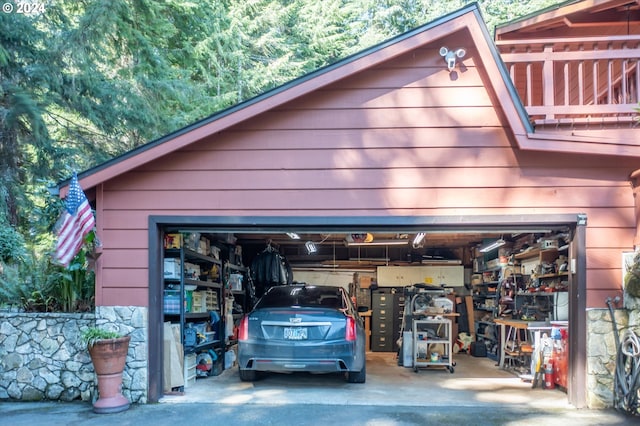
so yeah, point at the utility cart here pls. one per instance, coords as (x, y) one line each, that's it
(432, 345)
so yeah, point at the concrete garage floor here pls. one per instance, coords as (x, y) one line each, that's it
(475, 382)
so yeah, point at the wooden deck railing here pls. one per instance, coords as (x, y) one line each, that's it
(594, 79)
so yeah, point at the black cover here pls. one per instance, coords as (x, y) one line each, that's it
(478, 349)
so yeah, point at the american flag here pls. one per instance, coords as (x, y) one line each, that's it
(76, 222)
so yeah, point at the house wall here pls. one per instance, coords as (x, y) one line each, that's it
(403, 138)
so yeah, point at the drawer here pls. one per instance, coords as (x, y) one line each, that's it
(381, 344)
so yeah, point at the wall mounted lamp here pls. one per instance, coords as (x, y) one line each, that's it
(492, 246)
(452, 56)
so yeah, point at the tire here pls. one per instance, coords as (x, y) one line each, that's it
(357, 376)
(248, 375)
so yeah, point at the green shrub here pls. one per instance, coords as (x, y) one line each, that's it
(93, 334)
(29, 285)
(36, 284)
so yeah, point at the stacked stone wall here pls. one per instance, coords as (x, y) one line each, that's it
(602, 351)
(42, 356)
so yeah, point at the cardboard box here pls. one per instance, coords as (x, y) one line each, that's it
(173, 363)
(172, 241)
(365, 282)
(198, 303)
(211, 301)
(172, 268)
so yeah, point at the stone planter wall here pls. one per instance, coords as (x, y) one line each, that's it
(42, 357)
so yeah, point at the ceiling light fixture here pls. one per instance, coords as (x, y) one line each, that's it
(311, 247)
(492, 246)
(418, 238)
(378, 243)
(293, 235)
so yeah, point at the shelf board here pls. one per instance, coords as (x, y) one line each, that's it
(199, 283)
(430, 341)
(202, 346)
(537, 293)
(191, 255)
(190, 315)
(561, 274)
(236, 267)
(480, 308)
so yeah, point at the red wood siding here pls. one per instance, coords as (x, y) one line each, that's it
(404, 138)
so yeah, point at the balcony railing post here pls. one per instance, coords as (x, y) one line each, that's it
(547, 79)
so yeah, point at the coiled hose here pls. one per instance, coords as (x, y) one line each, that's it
(626, 387)
(627, 379)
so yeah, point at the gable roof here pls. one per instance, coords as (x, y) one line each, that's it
(468, 17)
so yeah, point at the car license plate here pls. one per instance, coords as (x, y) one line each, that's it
(295, 333)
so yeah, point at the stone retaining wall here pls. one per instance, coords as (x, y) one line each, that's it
(602, 350)
(42, 357)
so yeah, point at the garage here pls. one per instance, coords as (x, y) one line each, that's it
(402, 261)
(357, 159)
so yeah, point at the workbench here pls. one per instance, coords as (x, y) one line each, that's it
(518, 338)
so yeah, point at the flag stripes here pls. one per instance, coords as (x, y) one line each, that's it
(76, 222)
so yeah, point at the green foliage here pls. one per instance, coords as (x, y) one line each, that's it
(76, 286)
(36, 284)
(30, 285)
(92, 335)
(89, 80)
(632, 277)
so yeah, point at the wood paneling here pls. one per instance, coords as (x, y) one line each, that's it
(125, 277)
(124, 296)
(413, 97)
(116, 258)
(480, 116)
(403, 138)
(195, 180)
(604, 279)
(414, 196)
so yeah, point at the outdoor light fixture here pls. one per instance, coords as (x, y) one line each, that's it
(452, 56)
(293, 235)
(418, 238)
(311, 247)
(492, 246)
(377, 243)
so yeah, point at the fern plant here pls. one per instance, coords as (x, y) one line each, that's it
(30, 285)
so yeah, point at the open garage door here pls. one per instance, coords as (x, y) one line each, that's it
(395, 252)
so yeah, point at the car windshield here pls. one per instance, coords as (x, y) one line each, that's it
(304, 296)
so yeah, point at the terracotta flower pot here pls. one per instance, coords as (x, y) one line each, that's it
(109, 357)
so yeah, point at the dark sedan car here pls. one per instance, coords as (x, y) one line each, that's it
(302, 328)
